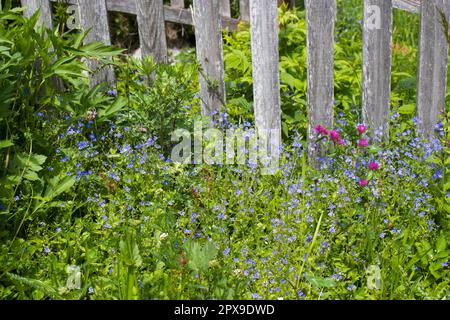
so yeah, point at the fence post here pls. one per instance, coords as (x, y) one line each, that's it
(177, 3)
(152, 31)
(433, 59)
(320, 17)
(377, 60)
(265, 63)
(208, 35)
(46, 11)
(244, 10)
(93, 14)
(225, 9)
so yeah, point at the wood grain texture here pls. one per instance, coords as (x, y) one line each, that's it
(152, 30)
(320, 17)
(407, 5)
(177, 3)
(265, 63)
(225, 9)
(171, 14)
(125, 6)
(433, 60)
(208, 36)
(93, 14)
(377, 61)
(244, 10)
(32, 6)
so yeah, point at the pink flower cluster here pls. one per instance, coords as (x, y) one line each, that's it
(361, 128)
(362, 143)
(373, 166)
(363, 183)
(334, 135)
(321, 130)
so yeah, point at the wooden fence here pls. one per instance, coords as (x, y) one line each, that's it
(209, 17)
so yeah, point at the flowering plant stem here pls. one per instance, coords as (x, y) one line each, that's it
(313, 242)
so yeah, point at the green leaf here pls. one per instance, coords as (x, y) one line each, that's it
(407, 109)
(319, 282)
(112, 109)
(38, 159)
(441, 244)
(373, 149)
(57, 187)
(434, 159)
(199, 256)
(5, 144)
(31, 176)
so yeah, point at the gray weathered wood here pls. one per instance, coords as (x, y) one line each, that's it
(171, 14)
(46, 12)
(184, 16)
(93, 14)
(407, 5)
(152, 30)
(320, 17)
(177, 3)
(265, 62)
(225, 9)
(433, 59)
(377, 60)
(208, 35)
(244, 10)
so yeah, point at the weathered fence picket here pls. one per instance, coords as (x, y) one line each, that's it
(208, 38)
(225, 9)
(244, 9)
(31, 6)
(320, 17)
(152, 31)
(377, 57)
(265, 63)
(433, 61)
(93, 14)
(177, 3)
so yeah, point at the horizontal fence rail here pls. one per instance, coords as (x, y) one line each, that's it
(210, 17)
(407, 5)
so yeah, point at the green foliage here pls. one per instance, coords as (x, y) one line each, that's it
(42, 74)
(161, 96)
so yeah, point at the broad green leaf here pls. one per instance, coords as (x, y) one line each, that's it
(56, 187)
(319, 282)
(112, 109)
(5, 144)
(31, 176)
